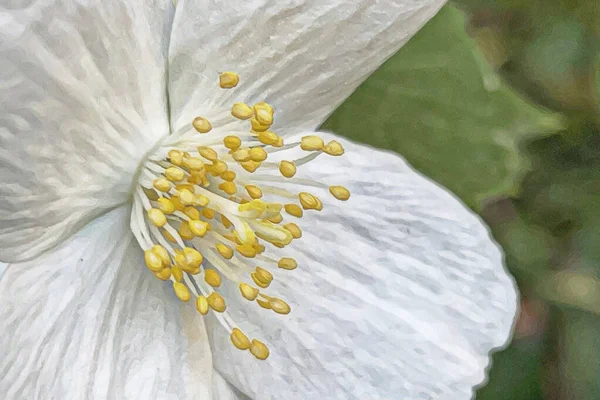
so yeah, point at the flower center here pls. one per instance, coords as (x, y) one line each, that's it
(201, 213)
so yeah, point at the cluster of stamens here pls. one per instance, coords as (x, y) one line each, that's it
(199, 210)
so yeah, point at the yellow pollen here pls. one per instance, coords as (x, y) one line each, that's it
(248, 292)
(246, 250)
(184, 231)
(241, 155)
(157, 217)
(264, 303)
(294, 210)
(163, 275)
(177, 203)
(216, 302)
(287, 263)
(228, 176)
(169, 237)
(225, 221)
(250, 166)
(186, 186)
(232, 142)
(287, 168)
(153, 261)
(228, 187)
(334, 148)
(208, 213)
(239, 340)
(311, 143)
(253, 191)
(263, 116)
(228, 80)
(218, 167)
(279, 142)
(263, 275)
(193, 163)
(176, 157)
(264, 106)
(308, 201)
(241, 111)
(293, 229)
(193, 256)
(174, 174)
(186, 197)
(198, 228)
(208, 153)
(268, 138)
(339, 192)
(212, 278)
(177, 273)
(151, 194)
(202, 305)
(259, 350)
(192, 212)
(224, 250)
(161, 184)
(257, 126)
(163, 254)
(258, 282)
(166, 205)
(258, 154)
(202, 125)
(279, 306)
(276, 218)
(181, 291)
(201, 200)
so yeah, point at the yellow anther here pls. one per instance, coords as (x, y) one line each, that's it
(218, 167)
(186, 197)
(241, 111)
(166, 205)
(259, 350)
(258, 282)
(164, 274)
(258, 154)
(248, 292)
(228, 187)
(216, 302)
(254, 191)
(153, 261)
(228, 80)
(177, 273)
(176, 157)
(311, 143)
(276, 218)
(279, 306)
(201, 200)
(174, 174)
(239, 340)
(319, 206)
(198, 228)
(202, 305)
(294, 210)
(262, 105)
(334, 148)
(225, 221)
(202, 125)
(268, 138)
(163, 254)
(339, 192)
(193, 256)
(151, 194)
(208, 213)
(287, 168)
(224, 250)
(308, 201)
(228, 176)
(279, 142)
(179, 206)
(246, 250)
(264, 304)
(263, 116)
(250, 166)
(263, 275)
(232, 142)
(293, 229)
(241, 155)
(169, 237)
(182, 262)
(212, 278)
(157, 217)
(181, 186)
(184, 231)
(181, 291)
(193, 163)
(161, 184)
(208, 153)
(259, 248)
(287, 263)
(192, 212)
(257, 126)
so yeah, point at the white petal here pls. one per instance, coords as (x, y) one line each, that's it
(89, 321)
(303, 56)
(83, 99)
(399, 294)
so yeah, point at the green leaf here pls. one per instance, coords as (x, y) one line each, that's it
(438, 104)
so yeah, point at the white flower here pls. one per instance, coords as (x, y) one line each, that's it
(399, 291)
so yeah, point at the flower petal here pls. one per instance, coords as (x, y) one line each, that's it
(399, 294)
(88, 320)
(83, 98)
(304, 56)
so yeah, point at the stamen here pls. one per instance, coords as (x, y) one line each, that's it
(193, 177)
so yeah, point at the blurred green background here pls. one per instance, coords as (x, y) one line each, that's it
(498, 101)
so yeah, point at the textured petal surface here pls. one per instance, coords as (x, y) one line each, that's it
(399, 294)
(89, 321)
(303, 56)
(82, 99)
